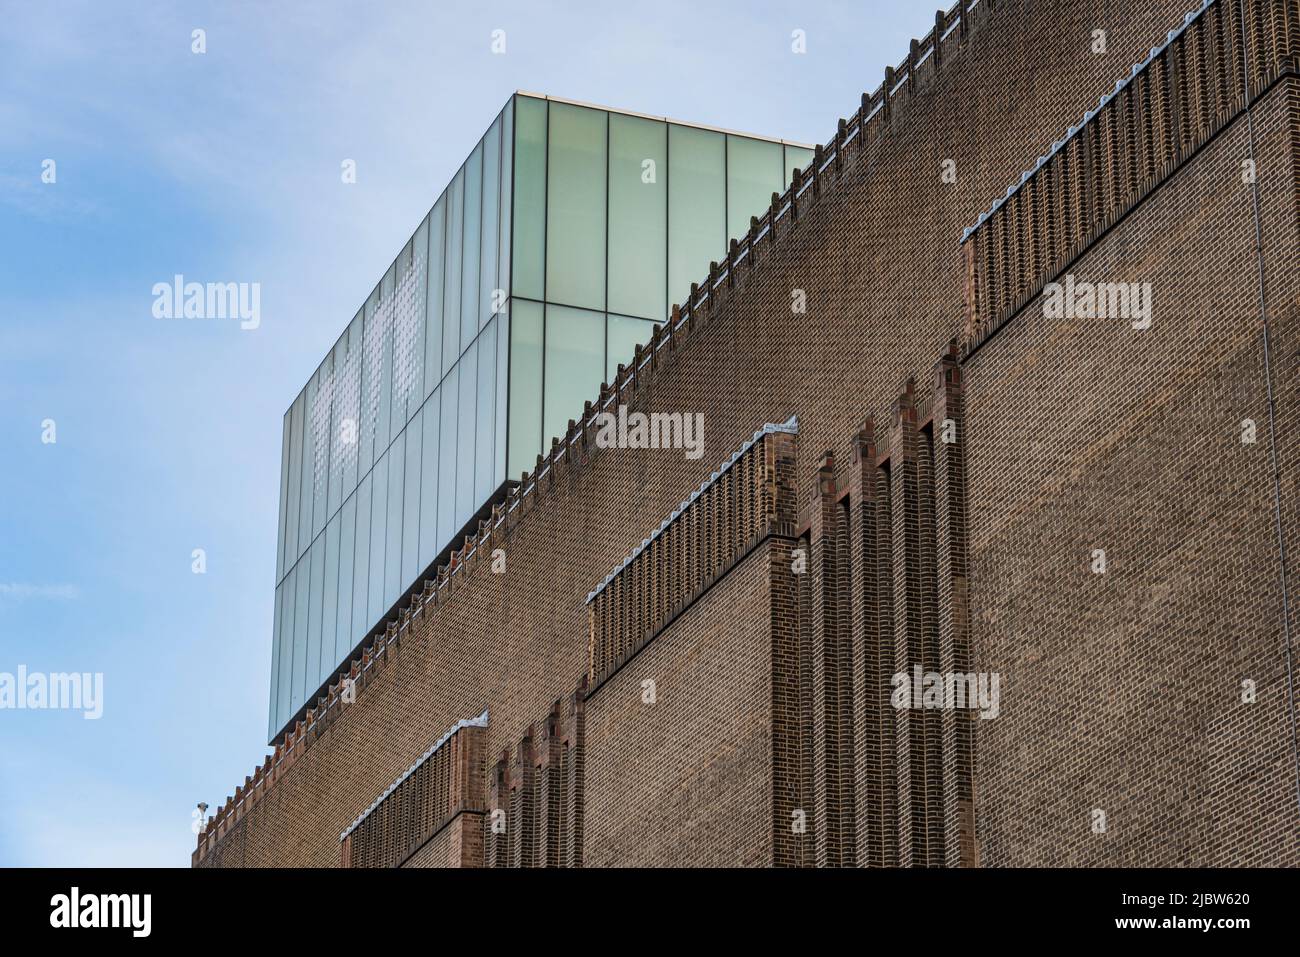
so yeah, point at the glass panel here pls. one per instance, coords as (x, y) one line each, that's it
(406, 307)
(465, 503)
(302, 582)
(315, 600)
(393, 539)
(378, 523)
(329, 601)
(321, 408)
(419, 288)
(433, 297)
(372, 383)
(347, 550)
(470, 248)
(347, 405)
(307, 440)
(638, 216)
(334, 477)
(307, 465)
(528, 252)
(384, 315)
(795, 156)
(411, 502)
(273, 711)
(754, 172)
(525, 394)
(507, 191)
(499, 398)
(696, 207)
(575, 362)
(490, 230)
(286, 433)
(294, 498)
(361, 564)
(575, 212)
(625, 334)
(485, 415)
(429, 491)
(447, 460)
(451, 293)
(287, 608)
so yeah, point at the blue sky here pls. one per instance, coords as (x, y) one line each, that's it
(224, 167)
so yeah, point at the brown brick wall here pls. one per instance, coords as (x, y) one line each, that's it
(458, 844)
(1075, 438)
(436, 852)
(685, 781)
(536, 810)
(682, 715)
(1123, 689)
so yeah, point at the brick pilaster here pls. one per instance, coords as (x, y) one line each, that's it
(948, 425)
(871, 588)
(918, 730)
(832, 676)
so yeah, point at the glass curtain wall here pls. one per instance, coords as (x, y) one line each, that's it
(400, 435)
(559, 244)
(615, 215)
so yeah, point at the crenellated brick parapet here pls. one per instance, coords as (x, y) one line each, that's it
(1209, 70)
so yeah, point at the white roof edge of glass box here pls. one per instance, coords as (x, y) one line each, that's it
(664, 119)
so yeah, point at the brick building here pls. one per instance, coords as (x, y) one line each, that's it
(997, 387)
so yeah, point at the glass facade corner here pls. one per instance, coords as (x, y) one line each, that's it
(563, 239)
(615, 215)
(396, 440)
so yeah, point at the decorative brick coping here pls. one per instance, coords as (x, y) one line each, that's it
(1207, 73)
(480, 722)
(791, 426)
(1074, 131)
